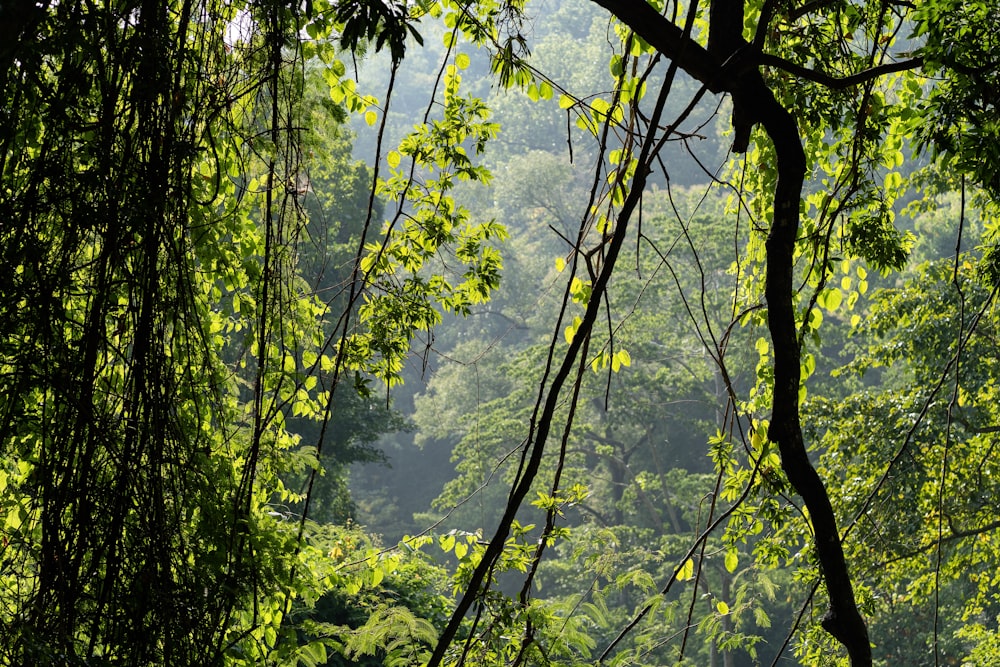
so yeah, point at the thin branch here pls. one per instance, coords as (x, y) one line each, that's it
(695, 547)
(934, 544)
(839, 83)
(767, 13)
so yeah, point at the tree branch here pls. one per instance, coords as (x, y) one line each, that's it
(927, 546)
(670, 40)
(838, 83)
(767, 13)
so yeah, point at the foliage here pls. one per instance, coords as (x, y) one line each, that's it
(853, 118)
(920, 532)
(163, 355)
(957, 122)
(200, 288)
(128, 265)
(378, 606)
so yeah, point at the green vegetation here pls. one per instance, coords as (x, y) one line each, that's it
(446, 333)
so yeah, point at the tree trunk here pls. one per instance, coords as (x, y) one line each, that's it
(842, 620)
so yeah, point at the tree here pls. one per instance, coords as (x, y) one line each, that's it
(159, 336)
(160, 332)
(844, 120)
(134, 487)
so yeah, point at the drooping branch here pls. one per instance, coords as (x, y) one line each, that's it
(542, 422)
(549, 396)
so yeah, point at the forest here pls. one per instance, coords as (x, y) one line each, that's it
(499, 332)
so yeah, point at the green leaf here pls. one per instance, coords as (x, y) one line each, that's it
(600, 107)
(808, 364)
(570, 331)
(762, 346)
(599, 361)
(616, 66)
(371, 117)
(686, 570)
(722, 607)
(833, 299)
(462, 61)
(815, 318)
(15, 518)
(732, 560)
(565, 101)
(392, 159)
